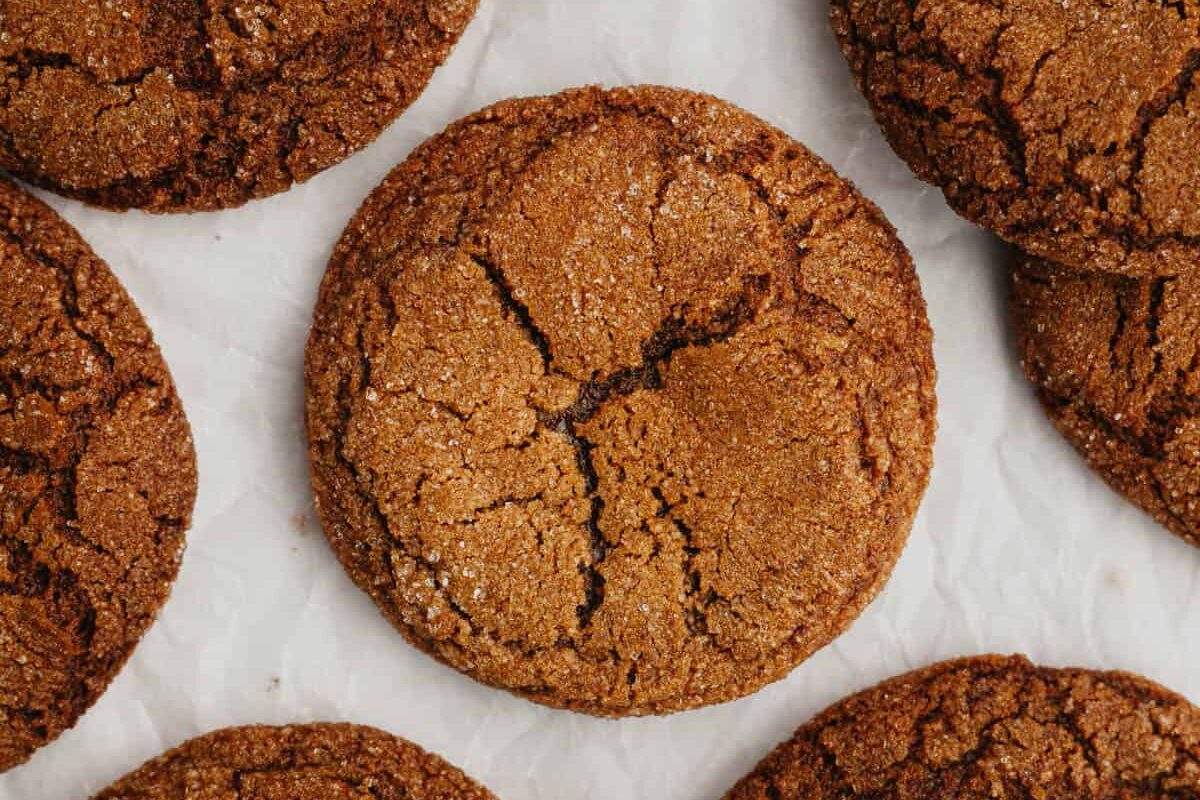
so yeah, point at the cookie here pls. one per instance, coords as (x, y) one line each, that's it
(992, 727)
(1116, 363)
(1068, 128)
(97, 476)
(193, 105)
(620, 400)
(298, 762)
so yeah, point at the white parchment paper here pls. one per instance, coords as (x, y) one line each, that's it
(1017, 547)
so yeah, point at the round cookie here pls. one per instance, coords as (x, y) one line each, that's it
(1068, 128)
(620, 400)
(1116, 362)
(97, 476)
(297, 762)
(991, 727)
(186, 105)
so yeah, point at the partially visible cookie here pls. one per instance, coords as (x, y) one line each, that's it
(97, 476)
(619, 400)
(186, 105)
(991, 727)
(1067, 127)
(321, 761)
(1116, 362)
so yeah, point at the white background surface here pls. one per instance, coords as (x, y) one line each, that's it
(1017, 547)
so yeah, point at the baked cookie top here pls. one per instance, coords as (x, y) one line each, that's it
(298, 762)
(1116, 362)
(186, 105)
(97, 476)
(620, 400)
(992, 727)
(1068, 128)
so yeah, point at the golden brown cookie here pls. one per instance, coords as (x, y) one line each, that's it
(1069, 127)
(322, 761)
(185, 105)
(622, 401)
(1116, 362)
(97, 476)
(992, 727)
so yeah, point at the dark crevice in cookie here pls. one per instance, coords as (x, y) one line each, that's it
(516, 309)
(672, 336)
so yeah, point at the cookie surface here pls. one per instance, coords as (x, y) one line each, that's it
(622, 401)
(298, 762)
(97, 476)
(1068, 128)
(992, 727)
(1115, 363)
(184, 105)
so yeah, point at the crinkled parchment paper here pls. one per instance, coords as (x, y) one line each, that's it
(1017, 547)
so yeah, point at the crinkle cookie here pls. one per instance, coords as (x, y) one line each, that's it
(97, 476)
(1068, 127)
(1116, 363)
(320, 761)
(619, 400)
(186, 105)
(992, 727)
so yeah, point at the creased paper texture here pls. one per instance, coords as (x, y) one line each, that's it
(1017, 547)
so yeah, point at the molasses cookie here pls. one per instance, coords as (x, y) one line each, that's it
(298, 762)
(185, 105)
(97, 476)
(992, 727)
(1068, 128)
(1116, 362)
(620, 400)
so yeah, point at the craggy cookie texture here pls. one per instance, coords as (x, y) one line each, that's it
(97, 476)
(1116, 362)
(1069, 128)
(175, 105)
(622, 401)
(992, 727)
(298, 762)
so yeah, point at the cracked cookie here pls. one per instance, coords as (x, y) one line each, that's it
(97, 476)
(186, 105)
(297, 762)
(992, 727)
(620, 400)
(1068, 128)
(1116, 362)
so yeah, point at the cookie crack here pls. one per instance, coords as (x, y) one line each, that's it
(516, 309)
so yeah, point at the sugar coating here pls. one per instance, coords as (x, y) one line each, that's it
(97, 476)
(189, 105)
(622, 401)
(1116, 362)
(296, 762)
(992, 727)
(1068, 128)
